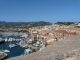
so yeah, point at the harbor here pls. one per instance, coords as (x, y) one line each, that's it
(20, 44)
(9, 44)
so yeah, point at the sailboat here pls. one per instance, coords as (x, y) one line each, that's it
(1, 51)
(11, 45)
(4, 51)
(6, 39)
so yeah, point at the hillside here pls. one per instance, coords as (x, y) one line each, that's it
(55, 51)
(65, 23)
(4, 24)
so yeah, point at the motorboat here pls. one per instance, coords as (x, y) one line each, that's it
(18, 39)
(6, 39)
(1, 40)
(10, 39)
(40, 49)
(12, 45)
(27, 51)
(17, 43)
(25, 35)
(24, 46)
(6, 51)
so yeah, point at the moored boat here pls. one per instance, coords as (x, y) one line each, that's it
(27, 51)
(6, 51)
(1, 40)
(12, 45)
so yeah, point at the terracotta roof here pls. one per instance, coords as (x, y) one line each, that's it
(44, 30)
(70, 32)
(46, 35)
(59, 31)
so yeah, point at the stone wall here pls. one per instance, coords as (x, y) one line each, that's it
(53, 51)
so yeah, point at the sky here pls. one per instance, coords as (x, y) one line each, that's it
(40, 10)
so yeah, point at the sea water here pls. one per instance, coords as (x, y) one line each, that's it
(15, 51)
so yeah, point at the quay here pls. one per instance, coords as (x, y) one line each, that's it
(3, 56)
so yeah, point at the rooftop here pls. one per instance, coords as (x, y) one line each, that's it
(59, 31)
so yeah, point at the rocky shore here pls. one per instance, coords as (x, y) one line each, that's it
(3, 56)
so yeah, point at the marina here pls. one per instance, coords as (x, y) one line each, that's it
(9, 44)
(16, 45)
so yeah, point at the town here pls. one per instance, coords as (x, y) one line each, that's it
(40, 37)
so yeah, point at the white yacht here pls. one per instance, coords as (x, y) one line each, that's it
(10, 39)
(6, 39)
(24, 35)
(24, 46)
(6, 51)
(27, 51)
(12, 45)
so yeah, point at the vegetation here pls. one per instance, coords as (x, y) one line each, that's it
(33, 50)
(64, 23)
(78, 26)
(4, 24)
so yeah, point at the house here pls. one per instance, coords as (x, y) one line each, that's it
(34, 33)
(72, 26)
(59, 34)
(51, 41)
(69, 34)
(78, 24)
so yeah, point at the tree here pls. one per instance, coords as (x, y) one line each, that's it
(33, 50)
